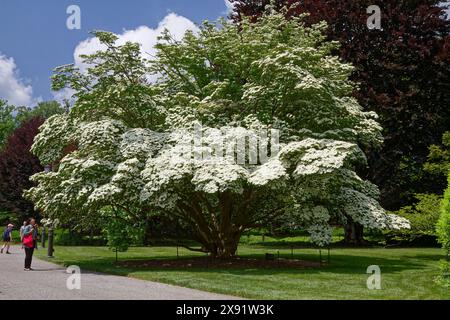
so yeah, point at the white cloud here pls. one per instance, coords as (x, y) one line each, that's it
(12, 87)
(144, 35)
(229, 5)
(64, 94)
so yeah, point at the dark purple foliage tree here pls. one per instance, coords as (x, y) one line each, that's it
(17, 164)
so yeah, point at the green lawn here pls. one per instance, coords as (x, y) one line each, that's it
(406, 273)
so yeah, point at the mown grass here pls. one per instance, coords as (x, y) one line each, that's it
(406, 273)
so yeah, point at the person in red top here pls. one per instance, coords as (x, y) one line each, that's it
(29, 241)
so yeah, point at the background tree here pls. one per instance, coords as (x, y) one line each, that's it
(19, 125)
(423, 216)
(7, 122)
(438, 163)
(43, 110)
(121, 233)
(424, 212)
(12, 117)
(403, 73)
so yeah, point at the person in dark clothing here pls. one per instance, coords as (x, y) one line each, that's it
(7, 238)
(29, 242)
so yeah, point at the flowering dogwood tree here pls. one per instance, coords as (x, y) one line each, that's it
(138, 152)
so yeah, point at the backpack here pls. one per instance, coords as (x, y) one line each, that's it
(28, 241)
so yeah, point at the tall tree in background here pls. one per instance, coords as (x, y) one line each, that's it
(18, 126)
(7, 122)
(17, 164)
(43, 110)
(404, 75)
(12, 117)
(439, 158)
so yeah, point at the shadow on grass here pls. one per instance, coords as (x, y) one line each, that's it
(342, 264)
(281, 244)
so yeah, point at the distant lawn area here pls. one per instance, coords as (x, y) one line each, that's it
(406, 273)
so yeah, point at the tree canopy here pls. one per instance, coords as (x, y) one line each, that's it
(42, 110)
(12, 117)
(403, 72)
(148, 148)
(7, 123)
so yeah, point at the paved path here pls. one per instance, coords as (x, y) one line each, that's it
(48, 282)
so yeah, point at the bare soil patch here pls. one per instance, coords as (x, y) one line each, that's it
(236, 263)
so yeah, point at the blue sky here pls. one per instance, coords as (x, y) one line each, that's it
(34, 38)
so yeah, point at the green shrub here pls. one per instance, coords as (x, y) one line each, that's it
(443, 225)
(7, 217)
(72, 238)
(444, 274)
(423, 216)
(439, 157)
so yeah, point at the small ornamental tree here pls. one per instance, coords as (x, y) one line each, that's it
(120, 232)
(152, 149)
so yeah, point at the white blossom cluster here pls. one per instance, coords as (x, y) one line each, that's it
(54, 135)
(145, 171)
(274, 74)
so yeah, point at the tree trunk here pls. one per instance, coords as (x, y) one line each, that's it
(354, 233)
(218, 228)
(224, 247)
